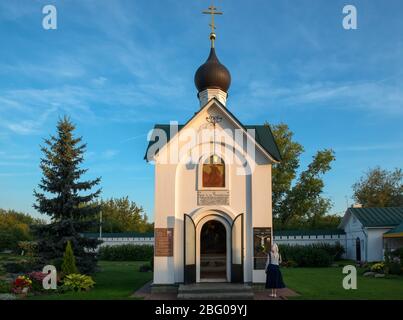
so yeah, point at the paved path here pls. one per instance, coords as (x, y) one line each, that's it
(145, 293)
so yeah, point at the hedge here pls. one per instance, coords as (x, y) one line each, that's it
(126, 252)
(315, 255)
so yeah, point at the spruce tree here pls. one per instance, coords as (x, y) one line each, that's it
(63, 198)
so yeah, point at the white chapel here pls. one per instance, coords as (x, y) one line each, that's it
(213, 189)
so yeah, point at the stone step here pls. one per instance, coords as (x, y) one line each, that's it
(205, 291)
(214, 269)
(216, 296)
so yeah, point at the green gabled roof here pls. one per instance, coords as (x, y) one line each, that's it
(318, 232)
(263, 136)
(397, 230)
(378, 217)
(120, 235)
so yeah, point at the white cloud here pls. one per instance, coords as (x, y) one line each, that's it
(109, 154)
(381, 97)
(375, 147)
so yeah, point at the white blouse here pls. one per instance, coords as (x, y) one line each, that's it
(274, 260)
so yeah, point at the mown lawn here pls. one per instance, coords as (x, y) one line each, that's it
(326, 284)
(115, 281)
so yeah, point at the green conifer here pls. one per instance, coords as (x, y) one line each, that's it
(67, 200)
(69, 261)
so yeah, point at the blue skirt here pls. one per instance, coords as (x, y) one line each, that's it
(274, 279)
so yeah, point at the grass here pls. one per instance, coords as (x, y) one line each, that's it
(118, 280)
(326, 284)
(115, 281)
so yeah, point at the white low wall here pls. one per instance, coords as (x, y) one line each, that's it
(290, 240)
(307, 240)
(122, 241)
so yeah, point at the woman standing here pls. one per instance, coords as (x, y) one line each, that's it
(274, 279)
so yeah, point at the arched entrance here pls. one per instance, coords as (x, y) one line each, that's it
(358, 249)
(213, 251)
(213, 248)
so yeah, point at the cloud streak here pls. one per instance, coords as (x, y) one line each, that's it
(376, 97)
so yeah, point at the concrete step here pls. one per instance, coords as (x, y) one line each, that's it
(216, 296)
(215, 291)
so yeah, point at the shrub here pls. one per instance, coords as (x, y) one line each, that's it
(145, 268)
(77, 282)
(394, 261)
(5, 287)
(397, 253)
(18, 267)
(37, 280)
(127, 252)
(306, 256)
(69, 261)
(152, 262)
(29, 248)
(378, 267)
(289, 264)
(335, 251)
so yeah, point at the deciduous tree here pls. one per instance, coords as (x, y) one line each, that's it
(380, 188)
(298, 199)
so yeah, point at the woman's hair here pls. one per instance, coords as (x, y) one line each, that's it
(274, 250)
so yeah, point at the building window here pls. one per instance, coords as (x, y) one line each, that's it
(214, 172)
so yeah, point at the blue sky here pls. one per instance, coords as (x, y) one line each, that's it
(118, 67)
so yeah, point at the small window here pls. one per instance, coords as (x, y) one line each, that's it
(214, 173)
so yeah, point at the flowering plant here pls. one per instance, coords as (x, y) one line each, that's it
(37, 276)
(22, 285)
(37, 280)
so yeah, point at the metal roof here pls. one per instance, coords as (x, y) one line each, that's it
(263, 136)
(396, 232)
(378, 217)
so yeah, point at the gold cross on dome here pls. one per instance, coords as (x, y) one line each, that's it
(212, 11)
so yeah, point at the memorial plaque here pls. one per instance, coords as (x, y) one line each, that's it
(164, 242)
(213, 198)
(261, 246)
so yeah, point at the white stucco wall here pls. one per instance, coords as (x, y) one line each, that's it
(176, 187)
(375, 243)
(354, 229)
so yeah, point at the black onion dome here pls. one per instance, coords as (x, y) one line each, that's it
(212, 75)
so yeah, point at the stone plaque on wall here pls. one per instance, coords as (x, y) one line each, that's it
(261, 246)
(164, 242)
(213, 198)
